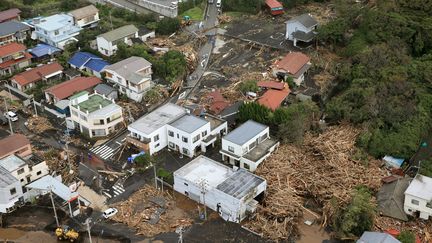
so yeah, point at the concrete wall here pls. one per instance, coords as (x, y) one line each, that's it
(292, 27)
(7, 200)
(189, 145)
(164, 10)
(410, 208)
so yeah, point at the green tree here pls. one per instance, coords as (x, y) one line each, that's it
(168, 26)
(406, 237)
(144, 160)
(248, 86)
(172, 66)
(254, 111)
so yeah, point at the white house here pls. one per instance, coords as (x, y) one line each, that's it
(418, 197)
(107, 42)
(95, 115)
(25, 170)
(57, 30)
(87, 16)
(248, 145)
(10, 191)
(132, 76)
(171, 125)
(301, 28)
(294, 65)
(233, 194)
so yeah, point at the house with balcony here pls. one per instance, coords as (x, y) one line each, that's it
(56, 30)
(10, 14)
(132, 76)
(107, 42)
(13, 31)
(95, 115)
(44, 73)
(66, 89)
(248, 145)
(418, 197)
(13, 57)
(11, 194)
(87, 16)
(301, 28)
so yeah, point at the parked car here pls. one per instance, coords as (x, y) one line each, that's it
(109, 212)
(11, 115)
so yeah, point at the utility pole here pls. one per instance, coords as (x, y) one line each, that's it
(9, 120)
(34, 105)
(203, 186)
(87, 222)
(55, 212)
(155, 175)
(67, 147)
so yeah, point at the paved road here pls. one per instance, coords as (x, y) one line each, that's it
(124, 4)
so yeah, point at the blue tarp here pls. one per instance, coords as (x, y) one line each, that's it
(41, 50)
(88, 60)
(392, 161)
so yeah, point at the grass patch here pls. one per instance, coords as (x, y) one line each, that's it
(195, 13)
(234, 14)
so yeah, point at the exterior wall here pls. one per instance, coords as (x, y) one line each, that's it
(147, 36)
(104, 47)
(133, 93)
(84, 22)
(298, 81)
(31, 174)
(410, 208)
(190, 145)
(292, 27)
(21, 152)
(7, 200)
(13, 38)
(254, 165)
(237, 148)
(153, 146)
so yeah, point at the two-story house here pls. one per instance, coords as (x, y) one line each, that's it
(13, 31)
(57, 30)
(107, 42)
(10, 192)
(10, 14)
(87, 16)
(95, 115)
(26, 170)
(172, 125)
(44, 73)
(132, 76)
(294, 65)
(15, 144)
(301, 28)
(418, 197)
(88, 62)
(248, 145)
(13, 57)
(66, 89)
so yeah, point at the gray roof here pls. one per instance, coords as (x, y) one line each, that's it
(62, 104)
(157, 118)
(12, 27)
(128, 67)
(377, 237)
(305, 19)
(245, 132)
(119, 33)
(6, 178)
(391, 199)
(188, 123)
(12, 163)
(240, 183)
(83, 12)
(104, 89)
(421, 187)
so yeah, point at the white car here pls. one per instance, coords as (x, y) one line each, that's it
(11, 115)
(109, 212)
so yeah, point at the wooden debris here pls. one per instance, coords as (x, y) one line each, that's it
(39, 124)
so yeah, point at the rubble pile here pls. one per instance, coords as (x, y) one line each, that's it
(134, 108)
(421, 228)
(151, 212)
(224, 19)
(39, 124)
(190, 54)
(328, 63)
(322, 169)
(56, 161)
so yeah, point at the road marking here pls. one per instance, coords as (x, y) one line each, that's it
(118, 143)
(107, 194)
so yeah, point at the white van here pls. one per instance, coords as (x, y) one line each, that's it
(11, 115)
(218, 3)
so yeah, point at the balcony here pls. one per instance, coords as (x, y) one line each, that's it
(143, 145)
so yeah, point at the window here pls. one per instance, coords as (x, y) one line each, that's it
(429, 204)
(39, 173)
(171, 145)
(204, 133)
(186, 184)
(101, 122)
(178, 135)
(171, 133)
(252, 145)
(20, 171)
(185, 151)
(246, 166)
(156, 138)
(157, 145)
(196, 138)
(184, 139)
(231, 149)
(415, 202)
(22, 180)
(56, 32)
(13, 191)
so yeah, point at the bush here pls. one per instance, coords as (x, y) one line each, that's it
(248, 86)
(167, 26)
(144, 160)
(165, 175)
(406, 237)
(247, 6)
(254, 111)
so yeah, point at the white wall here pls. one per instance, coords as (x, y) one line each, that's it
(425, 212)
(83, 22)
(292, 27)
(6, 199)
(104, 47)
(189, 145)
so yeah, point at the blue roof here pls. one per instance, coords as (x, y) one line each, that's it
(89, 60)
(41, 50)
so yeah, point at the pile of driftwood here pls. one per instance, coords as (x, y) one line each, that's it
(323, 169)
(151, 212)
(39, 124)
(421, 228)
(57, 161)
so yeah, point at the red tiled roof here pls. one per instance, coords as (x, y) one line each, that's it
(9, 14)
(216, 96)
(292, 62)
(12, 143)
(37, 73)
(272, 99)
(271, 85)
(273, 4)
(68, 88)
(9, 63)
(218, 106)
(11, 48)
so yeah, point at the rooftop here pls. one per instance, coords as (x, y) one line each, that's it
(11, 48)
(245, 132)
(41, 50)
(129, 67)
(9, 14)
(272, 99)
(240, 183)
(421, 187)
(89, 60)
(104, 89)
(68, 88)
(94, 103)
(38, 73)
(49, 183)
(55, 22)
(12, 163)
(11, 27)
(158, 118)
(271, 85)
(377, 237)
(273, 4)
(293, 62)
(390, 199)
(12, 143)
(119, 33)
(260, 150)
(305, 19)
(188, 123)
(6, 178)
(84, 12)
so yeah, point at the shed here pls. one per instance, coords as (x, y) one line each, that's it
(108, 91)
(275, 7)
(392, 161)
